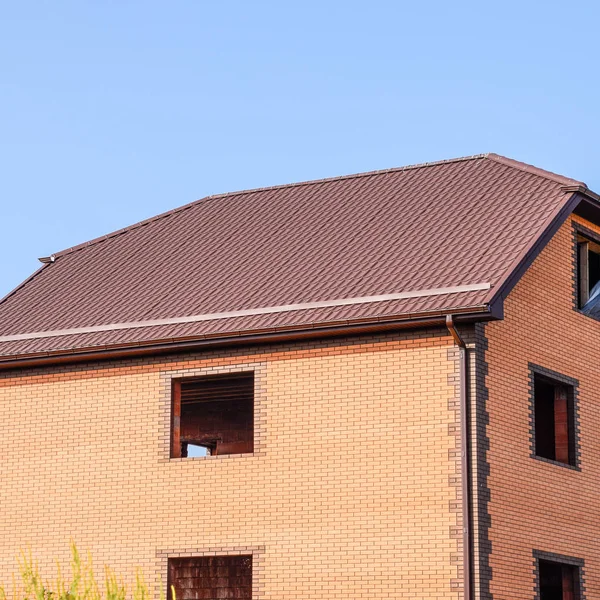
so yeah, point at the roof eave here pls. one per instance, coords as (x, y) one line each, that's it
(588, 206)
(158, 347)
(583, 190)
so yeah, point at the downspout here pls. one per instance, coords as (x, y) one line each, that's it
(465, 456)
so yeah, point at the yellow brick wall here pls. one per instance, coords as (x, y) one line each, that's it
(351, 492)
(533, 504)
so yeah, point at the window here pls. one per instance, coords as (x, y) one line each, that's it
(211, 577)
(558, 581)
(554, 419)
(588, 275)
(213, 415)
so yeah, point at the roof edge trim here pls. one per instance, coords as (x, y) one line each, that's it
(583, 190)
(524, 261)
(532, 169)
(189, 205)
(248, 312)
(489, 155)
(24, 283)
(283, 334)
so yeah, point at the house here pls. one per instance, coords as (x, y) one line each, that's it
(376, 386)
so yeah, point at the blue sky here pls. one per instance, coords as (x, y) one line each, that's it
(113, 111)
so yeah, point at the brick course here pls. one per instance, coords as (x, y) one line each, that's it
(538, 505)
(352, 491)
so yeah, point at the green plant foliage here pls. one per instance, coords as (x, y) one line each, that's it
(83, 584)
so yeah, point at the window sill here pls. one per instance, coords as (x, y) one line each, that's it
(557, 463)
(217, 457)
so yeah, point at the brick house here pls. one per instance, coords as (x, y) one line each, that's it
(375, 386)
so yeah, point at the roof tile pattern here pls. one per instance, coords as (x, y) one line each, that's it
(437, 225)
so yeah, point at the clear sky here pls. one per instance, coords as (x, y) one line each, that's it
(115, 110)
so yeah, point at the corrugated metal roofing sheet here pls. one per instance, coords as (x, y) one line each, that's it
(439, 225)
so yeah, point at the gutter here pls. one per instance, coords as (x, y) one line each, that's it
(466, 480)
(207, 342)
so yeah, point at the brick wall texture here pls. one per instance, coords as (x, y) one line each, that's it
(537, 505)
(353, 488)
(352, 491)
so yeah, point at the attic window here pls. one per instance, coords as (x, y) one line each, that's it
(213, 415)
(588, 275)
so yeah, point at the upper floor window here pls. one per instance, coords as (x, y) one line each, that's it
(588, 275)
(558, 581)
(554, 419)
(213, 415)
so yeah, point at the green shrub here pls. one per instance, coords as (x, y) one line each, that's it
(82, 586)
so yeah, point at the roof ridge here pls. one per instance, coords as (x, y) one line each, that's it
(353, 175)
(526, 167)
(189, 205)
(492, 156)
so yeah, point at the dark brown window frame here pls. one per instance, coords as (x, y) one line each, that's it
(172, 565)
(572, 385)
(580, 279)
(175, 445)
(560, 559)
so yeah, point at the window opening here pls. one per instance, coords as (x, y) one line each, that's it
(213, 415)
(554, 420)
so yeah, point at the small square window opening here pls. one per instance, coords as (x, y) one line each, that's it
(213, 415)
(210, 578)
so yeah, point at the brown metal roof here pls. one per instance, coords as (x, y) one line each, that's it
(437, 237)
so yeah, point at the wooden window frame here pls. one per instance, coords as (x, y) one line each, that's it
(567, 390)
(576, 567)
(176, 418)
(175, 446)
(171, 566)
(585, 241)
